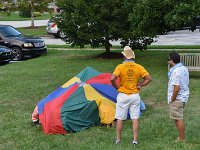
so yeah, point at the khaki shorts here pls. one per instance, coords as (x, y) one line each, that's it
(176, 110)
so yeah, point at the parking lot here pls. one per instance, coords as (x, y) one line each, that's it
(180, 37)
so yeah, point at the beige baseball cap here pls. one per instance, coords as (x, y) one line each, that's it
(128, 53)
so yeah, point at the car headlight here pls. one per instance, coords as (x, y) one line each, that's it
(28, 45)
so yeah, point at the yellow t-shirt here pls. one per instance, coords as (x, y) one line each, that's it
(129, 74)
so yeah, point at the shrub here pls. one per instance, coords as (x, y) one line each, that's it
(37, 14)
(25, 13)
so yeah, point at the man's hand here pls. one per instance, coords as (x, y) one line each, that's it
(146, 80)
(139, 86)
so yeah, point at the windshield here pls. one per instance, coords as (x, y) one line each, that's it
(8, 31)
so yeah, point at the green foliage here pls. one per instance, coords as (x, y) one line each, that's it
(182, 13)
(152, 17)
(93, 22)
(25, 13)
(38, 5)
(7, 6)
(147, 18)
(37, 14)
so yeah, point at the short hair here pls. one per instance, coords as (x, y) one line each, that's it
(175, 57)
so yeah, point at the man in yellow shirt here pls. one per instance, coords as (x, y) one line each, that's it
(128, 99)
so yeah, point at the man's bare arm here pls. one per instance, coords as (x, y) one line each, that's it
(175, 92)
(146, 80)
(113, 81)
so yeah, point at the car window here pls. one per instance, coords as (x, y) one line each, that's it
(51, 20)
(9, 31)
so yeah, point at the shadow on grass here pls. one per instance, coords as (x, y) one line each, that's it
(195, 75)
(111, 55)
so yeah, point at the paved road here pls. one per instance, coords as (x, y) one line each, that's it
(51, 40)
(181, 37)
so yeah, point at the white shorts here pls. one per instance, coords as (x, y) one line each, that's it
(127, 103)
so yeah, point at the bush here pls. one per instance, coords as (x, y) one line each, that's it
(25, 13)
(37, 14)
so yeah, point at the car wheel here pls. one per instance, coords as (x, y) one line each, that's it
(56, 35)
(61, 34)
(17, 53)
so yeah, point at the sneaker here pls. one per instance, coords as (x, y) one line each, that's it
(117, 142)
(179, 140)
(36, 123)
(135, 142)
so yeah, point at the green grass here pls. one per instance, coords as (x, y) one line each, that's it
(16, 17)
(36, 31)
(173, 47)
(24, 83)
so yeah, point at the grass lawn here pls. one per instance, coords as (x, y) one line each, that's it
(186, 47)
(36, 31)
(24, 83)
(16, 17)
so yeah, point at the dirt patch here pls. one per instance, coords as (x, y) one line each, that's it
(111, 55)
(157, 105)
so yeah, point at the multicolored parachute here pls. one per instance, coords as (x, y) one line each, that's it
(86, 100)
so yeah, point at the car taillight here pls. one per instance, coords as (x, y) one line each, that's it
(53, 25)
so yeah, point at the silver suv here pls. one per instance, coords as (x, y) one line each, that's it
(53, 29)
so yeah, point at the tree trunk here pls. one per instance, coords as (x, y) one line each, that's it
(107, 45)
(32, 14)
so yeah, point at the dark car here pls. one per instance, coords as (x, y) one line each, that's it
(5, 54)
(21, 45)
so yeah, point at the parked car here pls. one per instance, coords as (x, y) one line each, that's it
(20, 44)
(53, 29)
(5, 54)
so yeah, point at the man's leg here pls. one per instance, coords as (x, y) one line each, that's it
(135, 127)
(181, 129)
(119, 130)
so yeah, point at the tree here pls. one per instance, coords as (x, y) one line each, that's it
(96, 22)
(182, 13)
(147, 18)
(7, 6)
(93, 22)
(32, 6)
